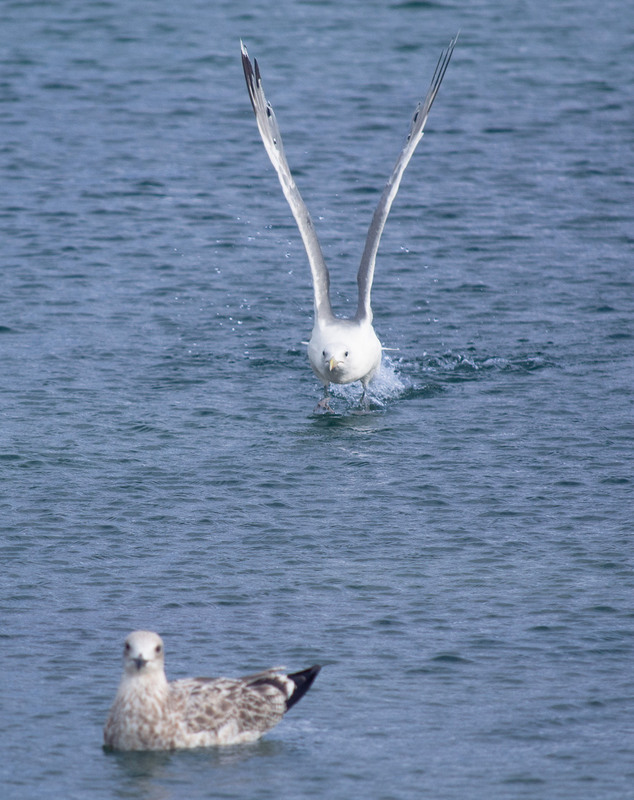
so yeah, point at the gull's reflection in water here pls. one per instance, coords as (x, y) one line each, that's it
(161, 775)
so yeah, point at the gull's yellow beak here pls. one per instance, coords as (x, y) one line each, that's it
(332, 363)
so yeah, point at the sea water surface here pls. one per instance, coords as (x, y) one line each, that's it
(458, 558)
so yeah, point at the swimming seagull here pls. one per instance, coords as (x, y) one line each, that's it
(150, 713)
(340, 350)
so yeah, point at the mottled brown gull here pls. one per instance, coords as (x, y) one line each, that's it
(340, 350)
(151, 713)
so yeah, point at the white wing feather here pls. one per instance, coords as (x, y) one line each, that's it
(368, 259)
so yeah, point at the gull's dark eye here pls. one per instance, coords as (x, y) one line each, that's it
(127, 647)
(346, 354)
(158, 648)
(324, 354)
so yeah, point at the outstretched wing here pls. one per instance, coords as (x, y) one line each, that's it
(368, 259)
(270, 133)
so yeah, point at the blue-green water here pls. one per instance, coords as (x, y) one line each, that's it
(460, 558)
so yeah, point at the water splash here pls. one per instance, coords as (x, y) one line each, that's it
(386, 385)
(430, 374)
(453, 367)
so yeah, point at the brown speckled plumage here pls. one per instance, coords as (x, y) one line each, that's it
(150, 713)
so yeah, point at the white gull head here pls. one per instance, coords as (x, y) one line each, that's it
(143, 655)
(344, 351)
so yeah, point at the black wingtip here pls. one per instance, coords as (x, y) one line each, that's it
(244, 54)
(303, 681)
(248, 74)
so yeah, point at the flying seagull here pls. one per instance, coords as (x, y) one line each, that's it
(340, 350)
(150, 713)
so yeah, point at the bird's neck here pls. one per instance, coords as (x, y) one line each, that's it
(135, 686)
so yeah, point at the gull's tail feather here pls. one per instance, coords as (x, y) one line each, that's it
(303, 681)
